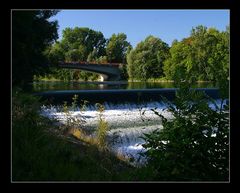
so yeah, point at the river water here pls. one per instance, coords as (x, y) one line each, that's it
(126, 120)
(61, 85)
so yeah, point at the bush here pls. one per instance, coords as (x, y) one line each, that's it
(194, 144)
(102, 128)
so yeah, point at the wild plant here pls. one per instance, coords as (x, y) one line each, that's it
(102, 128)
(72, 122)
(83, 105)
(194, 145)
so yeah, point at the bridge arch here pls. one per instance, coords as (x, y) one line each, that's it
(107, 71)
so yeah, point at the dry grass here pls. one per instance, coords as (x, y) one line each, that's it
(81, 135)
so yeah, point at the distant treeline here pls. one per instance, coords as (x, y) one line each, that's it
(204, 55)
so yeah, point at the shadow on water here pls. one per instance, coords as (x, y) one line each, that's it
(55, 92)
(117, 95)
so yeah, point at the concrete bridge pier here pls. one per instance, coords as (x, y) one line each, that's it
(103, 77)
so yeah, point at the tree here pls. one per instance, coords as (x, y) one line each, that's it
(116, 48)
(77, 44)
(32, 33)
(92, 56)
(174, 41)
(81, 42)
(146, 60)
(205, 54)
(54, 54)
(102, 59)
(178, 59)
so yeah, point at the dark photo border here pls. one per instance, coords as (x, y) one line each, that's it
(136, 186)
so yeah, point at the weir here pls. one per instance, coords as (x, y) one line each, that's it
(125, 122)
(118, 95)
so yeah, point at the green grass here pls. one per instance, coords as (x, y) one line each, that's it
(40, 155)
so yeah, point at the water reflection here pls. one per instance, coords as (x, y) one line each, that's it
(61, 85)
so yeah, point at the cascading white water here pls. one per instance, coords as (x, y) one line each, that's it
(127, 122)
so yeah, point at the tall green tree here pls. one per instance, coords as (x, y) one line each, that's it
(179, 60)
(93, 56)
(146, 60)
(117, 47)
(32, 33)
(204, 55)
(78, 43)
(55, 53)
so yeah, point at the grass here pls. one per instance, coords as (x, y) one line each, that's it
(40, 154)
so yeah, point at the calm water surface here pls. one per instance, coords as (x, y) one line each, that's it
(60, 85)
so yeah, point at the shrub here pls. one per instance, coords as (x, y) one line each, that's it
(102, 128)
(194, 145)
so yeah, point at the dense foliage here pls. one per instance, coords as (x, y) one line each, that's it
(78, 43)
(84, 44)
(146, 60)
(116, 48)
(194, 143)
(67, 75)
(32, 32)
(204, 55)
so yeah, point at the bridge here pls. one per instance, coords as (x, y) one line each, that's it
(107, 71)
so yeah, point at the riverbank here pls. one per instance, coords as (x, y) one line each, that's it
(39, 154)
(163, 80)
(43, 150)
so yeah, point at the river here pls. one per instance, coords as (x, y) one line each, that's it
(61, 85)
(123, 112)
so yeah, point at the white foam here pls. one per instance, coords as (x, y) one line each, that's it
(127, 124)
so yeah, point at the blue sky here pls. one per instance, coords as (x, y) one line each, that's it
(138, 24)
